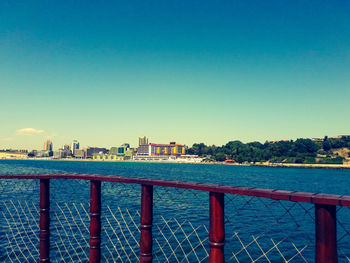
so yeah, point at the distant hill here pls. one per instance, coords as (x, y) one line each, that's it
(309, 151)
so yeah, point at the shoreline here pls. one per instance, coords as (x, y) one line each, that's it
(305, 166)
(272, 165)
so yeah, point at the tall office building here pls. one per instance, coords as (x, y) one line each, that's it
(48, 146)
(66, 147)
(75, 146)
(143, 140)
(66, 150)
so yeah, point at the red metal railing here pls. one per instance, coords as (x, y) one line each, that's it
(325, 221)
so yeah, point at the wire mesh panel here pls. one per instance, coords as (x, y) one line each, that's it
(268, 230)
(19, 220)
(257, 229)
(343, 229)
(120, 222)
(180, 228)
(69, 226)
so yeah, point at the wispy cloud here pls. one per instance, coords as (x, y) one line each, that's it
(9, 139)
(29, 131)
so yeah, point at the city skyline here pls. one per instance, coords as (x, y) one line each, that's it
(185, 71)
(144, 140)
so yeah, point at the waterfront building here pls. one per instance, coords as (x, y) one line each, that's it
(14, 151)
(32, 153)
(158, 158)
(13, 155)
(144, 150)
(90, 151)
(120, 150)
(154, 149)
(169, 158)
(189, 158)
(48, 146)
(114, 150)
(63, 152)
(143, 140)
(75, 146)
(111, 157)
(121, 153)
(44, 153)
(80, 154)
(59, 154)
(66, 150)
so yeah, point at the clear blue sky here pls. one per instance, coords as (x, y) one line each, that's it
(107, 72)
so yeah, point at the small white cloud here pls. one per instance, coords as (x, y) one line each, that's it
(29, 131)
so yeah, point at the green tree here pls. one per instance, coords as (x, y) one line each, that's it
(326, 145)
(306, 146)
(240, 158)
(220, 157)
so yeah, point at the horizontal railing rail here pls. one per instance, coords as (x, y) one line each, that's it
(309, 197)
(324, 218)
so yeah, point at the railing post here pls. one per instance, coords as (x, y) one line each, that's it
(326, 234)
(44, 247)
(146, 223)
(216, 227)
(95, 222)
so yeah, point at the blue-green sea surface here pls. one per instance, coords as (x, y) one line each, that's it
(257, 229)
(331, 181)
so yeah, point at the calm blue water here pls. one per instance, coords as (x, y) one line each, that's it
(257, 229)
(308, 180)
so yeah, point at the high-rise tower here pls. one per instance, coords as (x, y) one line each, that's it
(75, 146)
(143, 140)
(48, 146)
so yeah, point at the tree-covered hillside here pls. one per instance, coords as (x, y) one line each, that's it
(298, 151)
